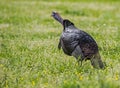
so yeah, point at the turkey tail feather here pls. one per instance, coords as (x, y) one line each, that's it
(96, 61)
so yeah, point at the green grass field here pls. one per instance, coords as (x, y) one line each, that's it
(29, 37)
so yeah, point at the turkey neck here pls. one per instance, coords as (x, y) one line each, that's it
(57, 17)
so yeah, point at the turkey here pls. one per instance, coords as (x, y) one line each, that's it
(77, 43)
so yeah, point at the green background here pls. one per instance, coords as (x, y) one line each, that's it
(29, 37)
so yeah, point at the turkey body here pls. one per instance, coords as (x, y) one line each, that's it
(77, 43)
(72, 38)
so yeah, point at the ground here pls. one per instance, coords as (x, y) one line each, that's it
(29, 57)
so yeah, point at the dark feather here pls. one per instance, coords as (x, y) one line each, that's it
(78, 43)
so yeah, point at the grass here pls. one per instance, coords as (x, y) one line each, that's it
(29, 36)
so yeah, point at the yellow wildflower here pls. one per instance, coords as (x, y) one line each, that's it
(110, 63)
(116, 77)
(6, 84)
(46, 84)
(1, 65)
(81, 77)
(33, 83)
(65, 81)
(76, 73)
(22, 78)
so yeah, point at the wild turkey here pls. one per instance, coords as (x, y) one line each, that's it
(78, 43)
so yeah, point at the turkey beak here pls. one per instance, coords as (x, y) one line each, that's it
(53, 13)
